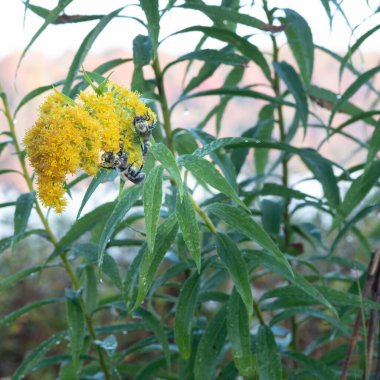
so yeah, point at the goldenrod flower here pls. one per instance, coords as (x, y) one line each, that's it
(69, 136)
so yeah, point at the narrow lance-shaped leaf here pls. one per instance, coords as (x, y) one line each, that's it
(207, 172)
(152, 197)
(184, 314)
(267, 355)
(239, 334)
(142, 50)
(352, 89)
(76, 322)
(244, 223)
(50, 17)
(151, 10)
(101, 176)
(212, 56)
(295, 86)
(125, 202)
(165, 156)
(300, 38)
(236, 266)
(189, 226)
(85, 47)
(210, 346)
(166, 234)
(28, 364)
(24, 206)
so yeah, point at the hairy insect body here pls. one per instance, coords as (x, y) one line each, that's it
(120, 160)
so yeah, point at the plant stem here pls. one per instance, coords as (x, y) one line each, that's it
(164, 103)
(285, 170)
(203, 215)
(66, 263)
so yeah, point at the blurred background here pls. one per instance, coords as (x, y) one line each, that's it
(48, 61)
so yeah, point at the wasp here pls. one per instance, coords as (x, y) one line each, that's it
(120, 160)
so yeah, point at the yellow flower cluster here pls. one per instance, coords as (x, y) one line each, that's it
(69, 136)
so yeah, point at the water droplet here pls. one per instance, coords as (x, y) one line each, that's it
(338, 96)
(15, 121)
(186, 112)
(125, 332)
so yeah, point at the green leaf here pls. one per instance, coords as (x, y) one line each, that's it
(34, 93)
(111, 270)
(184, 314)
(124, 203)
(24, 206)
(241, 44)
(189, 227)
(158, 329)
(210, 346)
(315, 368)
(152, 203)
(295, 86)
(355, 47)
(82, 225)
(26, 309)
(166, 234)
(267, 355)
(5, 243)
(244, 223)
(151, 10)
(90, 295)
(50, 17)
(76, 322)
(165, 156)
(142, 50)
(359, 188)
(21, 275)
(207, 172)
(28, 364)
(271, 215)
(352, 89)
(85, 47)
(300, 40)
(239, 334)
(211, 56)
(374, 144)
(100, 177)
(234, 262)
(223, 13)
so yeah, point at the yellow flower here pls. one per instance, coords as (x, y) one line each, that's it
(71, 136)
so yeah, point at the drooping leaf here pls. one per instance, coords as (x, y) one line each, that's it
(239, 334)
(85, 48)
(295, 86)
(151, 10)
(267, 355)
(142, 50)
(165, 236)
(244, 223)
(184, 314)
(76, 322)
(152, 197)
(300, 39)
(189, 227)
(165, 156)
(234, 262)
(124, 203)
(210, 346)
(28, 364)
(24, 206)
(207, 172)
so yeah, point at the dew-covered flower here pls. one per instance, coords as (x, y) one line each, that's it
(73, 135)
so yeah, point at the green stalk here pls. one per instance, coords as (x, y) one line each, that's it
(285, 170)
(164, 103)
(66, 264)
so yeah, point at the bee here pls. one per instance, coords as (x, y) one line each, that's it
(127, 170)
(144, 130)
(120, 160)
